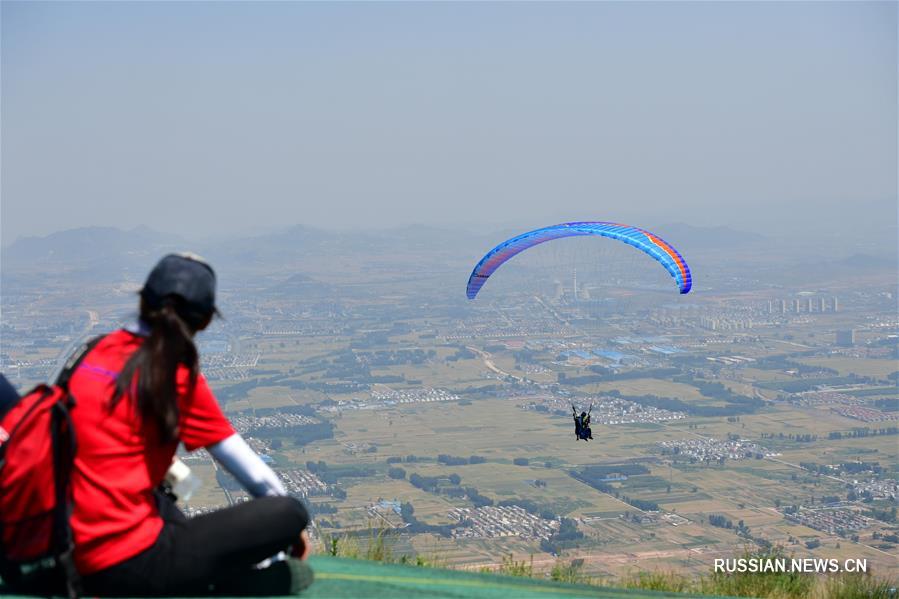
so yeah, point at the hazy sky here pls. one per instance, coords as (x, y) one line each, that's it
(215, 118)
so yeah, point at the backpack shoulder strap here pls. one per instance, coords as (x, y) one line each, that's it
(9, 397)
(75, 360)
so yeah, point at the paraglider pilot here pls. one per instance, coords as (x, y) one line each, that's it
(582, 424)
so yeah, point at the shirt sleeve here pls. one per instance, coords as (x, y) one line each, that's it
(202, 420)
(247, 467)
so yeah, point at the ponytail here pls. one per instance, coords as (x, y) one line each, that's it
(155, 364)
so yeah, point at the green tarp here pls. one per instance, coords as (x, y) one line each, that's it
(359, 579)
(341, 577)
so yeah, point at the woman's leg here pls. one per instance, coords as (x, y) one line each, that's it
(192, 557)
(239, 536)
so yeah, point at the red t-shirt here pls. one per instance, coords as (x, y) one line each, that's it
(120, 459)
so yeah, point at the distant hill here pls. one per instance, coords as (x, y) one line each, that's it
(690, 236)
(855, 265)
(104, 250)
(866, 262)
(301, 243)
(88, 245)
(302, 285)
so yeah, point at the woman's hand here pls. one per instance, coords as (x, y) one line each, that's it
(302, 549)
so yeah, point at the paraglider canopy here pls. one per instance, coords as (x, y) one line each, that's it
(643, 240)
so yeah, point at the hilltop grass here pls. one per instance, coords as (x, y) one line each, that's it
(769, 585)
(376, 549)
(511, 567)
(570, 572)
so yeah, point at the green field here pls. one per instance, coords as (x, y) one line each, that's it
(500, 431)
(861, 366)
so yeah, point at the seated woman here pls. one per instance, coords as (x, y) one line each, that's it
(139, 394)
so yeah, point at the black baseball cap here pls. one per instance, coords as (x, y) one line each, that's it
(185, 275)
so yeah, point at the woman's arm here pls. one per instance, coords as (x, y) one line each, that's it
(247, 467)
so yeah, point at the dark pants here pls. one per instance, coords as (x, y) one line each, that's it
(212, 554)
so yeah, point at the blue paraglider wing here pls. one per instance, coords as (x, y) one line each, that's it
(645, 241)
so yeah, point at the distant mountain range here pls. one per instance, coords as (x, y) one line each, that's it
(103, 251)
(111, 249)
(868, 262)
(686, 236)
(92, 245)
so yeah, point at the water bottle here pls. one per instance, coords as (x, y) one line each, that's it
(181, 480)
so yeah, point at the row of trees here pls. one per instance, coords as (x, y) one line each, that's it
(305, 410)
(407, 513)
(449, 485)
(746, 405)
(429, 483)
(462, 353)
(810, 384)
(300, 435)
(888, 516)
(601, 471)
(600, 485)
(720, 521)
(890, 404)
(409, 459)
(396, 357)
(847, 467)
(451, 460)
(783, 363)
(804, 438)
(567, 536)
(864, 432)
(331, 474)
(604, 375)
(739, 528)
(736, 403)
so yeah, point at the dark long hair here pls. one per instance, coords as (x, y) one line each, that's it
(155, 364)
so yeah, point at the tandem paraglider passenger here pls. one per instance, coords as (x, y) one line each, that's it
(582, 428)
(139, 393)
